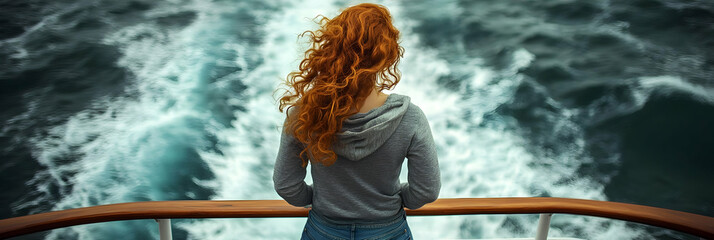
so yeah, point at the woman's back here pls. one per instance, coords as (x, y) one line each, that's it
(363, 184)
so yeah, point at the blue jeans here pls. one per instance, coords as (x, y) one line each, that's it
(318, 228)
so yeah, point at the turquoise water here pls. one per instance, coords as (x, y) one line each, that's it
(111, 101)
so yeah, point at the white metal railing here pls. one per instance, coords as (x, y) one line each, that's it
(164, 229)
(543, 226)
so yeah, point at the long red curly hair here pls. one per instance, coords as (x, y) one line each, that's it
(350, 55)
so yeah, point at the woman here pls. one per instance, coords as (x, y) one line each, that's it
(355, 136)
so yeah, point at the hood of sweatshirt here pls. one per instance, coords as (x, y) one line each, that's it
(364, 133)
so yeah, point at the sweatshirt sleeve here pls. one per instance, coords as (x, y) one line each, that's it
(424, 178)
(289, 175)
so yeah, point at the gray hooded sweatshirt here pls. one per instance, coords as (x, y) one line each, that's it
(363, 186)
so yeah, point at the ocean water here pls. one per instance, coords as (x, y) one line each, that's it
(117, 101)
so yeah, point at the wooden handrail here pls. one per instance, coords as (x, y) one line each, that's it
(698, 225)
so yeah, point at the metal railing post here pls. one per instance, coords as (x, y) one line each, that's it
(164, 229)
(543, 226)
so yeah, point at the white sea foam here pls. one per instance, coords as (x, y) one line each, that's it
(244, 170)
(666, 85)
(130, 148)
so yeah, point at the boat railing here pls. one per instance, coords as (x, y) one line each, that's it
(163, 211)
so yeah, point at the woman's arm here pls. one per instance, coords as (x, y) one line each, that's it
(289, 175)
(423, 165)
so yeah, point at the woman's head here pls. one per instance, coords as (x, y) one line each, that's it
(351, 55)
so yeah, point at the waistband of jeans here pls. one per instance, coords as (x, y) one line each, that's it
(316, 216)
